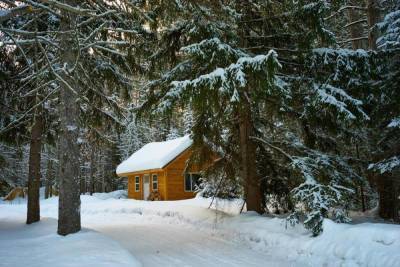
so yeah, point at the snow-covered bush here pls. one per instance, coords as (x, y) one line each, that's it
(221, 187)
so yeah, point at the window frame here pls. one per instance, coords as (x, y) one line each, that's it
(191, 181)
(154, 183)
(137, 183)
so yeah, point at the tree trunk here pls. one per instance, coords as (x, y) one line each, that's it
(82, 188)
(356, 30)
(92, 170)
(248, 168)
(373, 15)
(309, 136)
(49, 178)
(389, 203)
(69, 217)
(248, 161)
(388, 184)
(33, 213)
(103, 174)
(47, 189)
(362, 195)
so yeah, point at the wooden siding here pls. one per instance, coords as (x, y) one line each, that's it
(175, 178)
(139, 195)
(131, 187)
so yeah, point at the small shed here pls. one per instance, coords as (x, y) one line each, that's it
(158, 169)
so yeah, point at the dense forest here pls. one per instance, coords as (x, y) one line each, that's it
(294, 105)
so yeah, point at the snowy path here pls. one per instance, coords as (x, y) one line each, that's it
(169, 245)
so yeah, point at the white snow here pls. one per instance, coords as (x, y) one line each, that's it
(4, 13)
(337, 97)
(390, 28)
(213, 45)
(225, 80)
(71, 128)
(187, 233)
(395, 123)
(115, 194)
(39, 245)
(154, 155)
(386, 165)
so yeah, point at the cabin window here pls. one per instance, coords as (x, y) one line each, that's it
(192, 181)
(137, 184)
(155, 182)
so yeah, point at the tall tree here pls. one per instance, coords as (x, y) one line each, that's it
(385, 127)
(81, 45)
(69, 207)
(257, 114)
(33, 213)
(30, 92)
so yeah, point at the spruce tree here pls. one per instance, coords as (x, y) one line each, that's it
(260, 113)
(385, 126)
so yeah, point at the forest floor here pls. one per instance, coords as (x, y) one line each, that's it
(120, 232)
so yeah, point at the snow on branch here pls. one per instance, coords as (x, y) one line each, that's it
(395, 123)
(68, 8)
(325, 178)
(227, 80)
(343, 59)
(344, 8)
(391, 31)
(339, 99)
(212, 46)
(387, 165)
(6, 14)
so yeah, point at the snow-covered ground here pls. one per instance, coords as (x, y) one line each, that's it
(187, 233)
(39, 245)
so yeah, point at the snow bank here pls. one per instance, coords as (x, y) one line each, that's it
(113, 195)
(39, 245)
(366, 244)
(154, 155)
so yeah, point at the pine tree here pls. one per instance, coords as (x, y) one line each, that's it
(31, 113)
(88, 44)
(385, 127)
(263, 116)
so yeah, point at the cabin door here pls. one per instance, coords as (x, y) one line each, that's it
(146, 186)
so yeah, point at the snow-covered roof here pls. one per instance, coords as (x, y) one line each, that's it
(154, 155)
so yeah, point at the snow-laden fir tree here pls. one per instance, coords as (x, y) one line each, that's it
(260, 115)
(385, 130)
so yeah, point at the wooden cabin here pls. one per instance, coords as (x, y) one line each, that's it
(157, 171)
